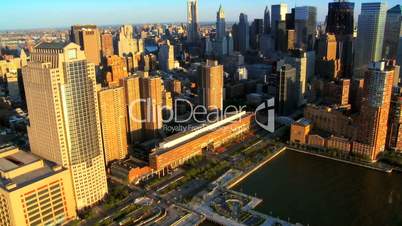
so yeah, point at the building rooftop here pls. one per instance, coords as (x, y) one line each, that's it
(19, 168)
(304, 121)
(395, 9)
(178, 139)
(51, 45)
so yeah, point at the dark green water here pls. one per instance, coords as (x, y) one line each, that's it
(320, 192)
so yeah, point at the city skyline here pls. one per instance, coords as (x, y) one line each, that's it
(67, 13)
(180, 112)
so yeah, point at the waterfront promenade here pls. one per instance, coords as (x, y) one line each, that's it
(372, 167)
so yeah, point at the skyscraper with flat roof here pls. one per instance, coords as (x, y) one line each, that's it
(393, 32)
(374, 113)
(370, 36)
(243, 33)
(278, 14)
(166, 56)
(305, 26)
(151, 88)
(340, 22)
(112, 109)
(132, 95)
(88, 37)
(287, 83)
(107, 44)
(64, 125)
(212, 85)
(340, 18)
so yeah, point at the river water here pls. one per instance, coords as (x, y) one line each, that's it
(322, 192)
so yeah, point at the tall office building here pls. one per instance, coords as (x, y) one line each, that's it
(399, 57)
(64, 125)
(220, 24)
(278, 14)
(305, 26)
(298, 60)
(33, 191)
(329, 66)
(88, 37)
(340, 22)
(290, 20)
(107, 44)
(211, 78)
(243, 33)
(151, 88)
(132, 93)
(374, 113)
(287, 99)
(394, 134)
(340, 18)
(267, 21)
(113, 113)
(192, 21)
(223, 43)
(166, 56)
(256, 32)
(393, 32)
(370, 36)
(126, 43)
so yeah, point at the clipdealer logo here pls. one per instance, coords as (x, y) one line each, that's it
(269, 106)
(199, 114)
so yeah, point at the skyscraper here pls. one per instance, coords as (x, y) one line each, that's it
(374, 113)
(328, 64)
(286, 98)
(393, 32)
(278, 14)
(126, 43)
(256, 32)
(267, 21)
(88, 37)
(340, 18)
(166, 56)
(112, 109)
(132, 92)
(117, 70)
(192, 21)
(243, 33)
(211, 85)
(220, 24)
(370, 36)
(64, 125)
(298, 60)
(107, 44)
(305, 26)
(340, 22)
(399, 56)
(151, 88)
(394, 134)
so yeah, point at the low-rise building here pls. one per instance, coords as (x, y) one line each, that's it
(300, 130)
(33, 191)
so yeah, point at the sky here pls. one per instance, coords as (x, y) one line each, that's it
(27, 14)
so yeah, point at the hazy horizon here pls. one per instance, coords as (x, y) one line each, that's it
(42, 14)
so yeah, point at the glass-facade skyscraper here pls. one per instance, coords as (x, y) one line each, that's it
(370, 36)
(64, 124)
